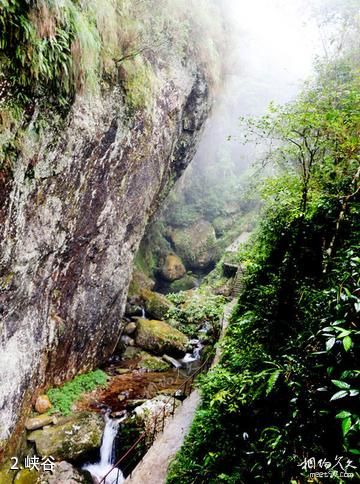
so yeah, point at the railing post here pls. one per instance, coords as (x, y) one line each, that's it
(163, 420)
(154, 432)
(173, 409)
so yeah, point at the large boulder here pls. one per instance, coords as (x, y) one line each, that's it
(147, 414)
(65, 473)
(151, 363)
(184, 284)
(159, 338)
(196, 245)
(71, 438)
(140, 281)
(156, 305)
(173, 268)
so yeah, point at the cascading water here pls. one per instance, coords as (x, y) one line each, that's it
(105, 465)
(194, 355)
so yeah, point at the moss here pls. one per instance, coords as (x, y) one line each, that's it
(138, 83)
(156, 304)
(152, 363)
(159, 337)
(184, 284)
(26, 476)
(6, 474)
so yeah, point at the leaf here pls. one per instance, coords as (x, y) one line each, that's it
(354, 451)
(330, 343)
(346, 425)
(343, 414)
(272, 380)
(347, 343)
(338, 395)
(344, 332)
(341, 384)
(354, 393)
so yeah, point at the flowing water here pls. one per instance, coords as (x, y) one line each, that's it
(105, 465)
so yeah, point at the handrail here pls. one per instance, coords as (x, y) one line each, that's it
(143, 434)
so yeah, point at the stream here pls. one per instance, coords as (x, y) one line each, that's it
(133, 385)
(107, 455)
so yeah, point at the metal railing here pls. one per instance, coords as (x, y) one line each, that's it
(184, 390)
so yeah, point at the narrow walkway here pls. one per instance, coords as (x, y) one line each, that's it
(153, 468)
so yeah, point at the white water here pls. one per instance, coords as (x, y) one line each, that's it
(100, 469)
(195, 355)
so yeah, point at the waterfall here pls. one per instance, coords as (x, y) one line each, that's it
(101, 468)
(143, 315)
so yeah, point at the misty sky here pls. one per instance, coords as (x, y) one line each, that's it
(271, 51)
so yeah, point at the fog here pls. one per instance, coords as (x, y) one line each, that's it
(269, 51)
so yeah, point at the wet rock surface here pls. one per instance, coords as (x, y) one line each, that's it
(71, 438)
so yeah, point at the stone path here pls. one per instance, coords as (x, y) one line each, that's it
(153, 468)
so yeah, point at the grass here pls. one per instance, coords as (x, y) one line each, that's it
(63, 398)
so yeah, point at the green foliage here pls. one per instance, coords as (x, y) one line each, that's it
(64, 397)
(193, 311)
(287, 385)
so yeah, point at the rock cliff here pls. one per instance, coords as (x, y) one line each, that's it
(72, 216)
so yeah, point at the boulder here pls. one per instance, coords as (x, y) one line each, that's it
(184, 284)
(151, 363)
(65, 473)
(127, 341)
(196, 245)
(42, 404)
(138, 282)
(156, 304)
(130, 329)
(159, 337)
(35, 423)
(6, 474)
(27, 476)
(173, 268)
(151, 413)
(130, 353)
(80, 433)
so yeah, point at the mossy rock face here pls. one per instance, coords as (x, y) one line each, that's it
(173, 268)
(159, 338)
(156, 304)
(6, 474)
(151, 363)
(80, 433)
(140, 281)
(184, 284)
(27, 476)
(196, 245)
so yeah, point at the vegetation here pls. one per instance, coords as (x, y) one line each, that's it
(192, 311)
(64, 397)
(287, 385)
(53, 50)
